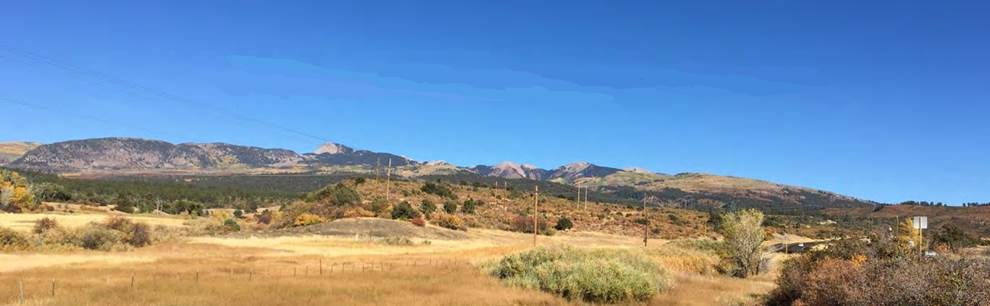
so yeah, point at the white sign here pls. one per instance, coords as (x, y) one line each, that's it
(920, 222)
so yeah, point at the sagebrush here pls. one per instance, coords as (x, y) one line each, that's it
(599, 276)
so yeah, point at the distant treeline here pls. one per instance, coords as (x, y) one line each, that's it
(178, 194)
(926, 203)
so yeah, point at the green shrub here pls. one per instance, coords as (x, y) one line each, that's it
(427, 207)
(404, 211)
(10, 239)
(450, 206)
(337, 195)
(378, 206)
(94, 237)
(438, 189)
(470, 205)
(231, 225)
(953, 238)
(564, 224)
(124, 205)
(601, 276)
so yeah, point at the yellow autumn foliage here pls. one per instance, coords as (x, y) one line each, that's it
(15, 192)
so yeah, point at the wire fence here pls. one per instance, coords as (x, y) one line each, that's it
(29, 288)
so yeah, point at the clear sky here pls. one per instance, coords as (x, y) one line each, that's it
(882, 100)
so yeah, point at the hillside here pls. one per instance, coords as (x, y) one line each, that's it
(135, 155)
(130, 156)
(9, 151)
(140, 154)
(499, 207)
(701, 191)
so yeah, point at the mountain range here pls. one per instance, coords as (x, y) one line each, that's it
(123, 156)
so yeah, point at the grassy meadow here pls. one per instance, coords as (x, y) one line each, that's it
(328, 270)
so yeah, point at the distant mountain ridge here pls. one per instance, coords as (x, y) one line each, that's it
(122, 156)
(135, 155)
(143, 154)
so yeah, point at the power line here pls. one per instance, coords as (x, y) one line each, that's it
(26, 56)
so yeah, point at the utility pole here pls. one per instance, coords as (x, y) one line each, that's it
(646, 224)
(536, 214)
(378, 167)
(388, 179)
(578, 198)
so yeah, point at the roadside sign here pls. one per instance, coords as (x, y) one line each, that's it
(920, 222)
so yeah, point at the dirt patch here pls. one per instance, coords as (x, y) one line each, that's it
(370, 227)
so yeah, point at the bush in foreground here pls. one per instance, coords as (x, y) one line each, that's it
(600, 276)
(878, 273)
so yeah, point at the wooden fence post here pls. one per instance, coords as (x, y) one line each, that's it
(20, 286)
(53, 288)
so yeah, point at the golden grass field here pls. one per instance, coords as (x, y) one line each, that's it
(321, 270)
(24, 222)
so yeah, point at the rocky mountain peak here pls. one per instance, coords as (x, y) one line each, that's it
(333, 148)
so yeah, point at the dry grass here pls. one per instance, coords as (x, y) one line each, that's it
(270, 281)
(16, 148)
(694, 289)
(24, 222)
(31, 261)
(286, 271)
(686, 260)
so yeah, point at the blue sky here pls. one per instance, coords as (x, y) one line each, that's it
(882, 100)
